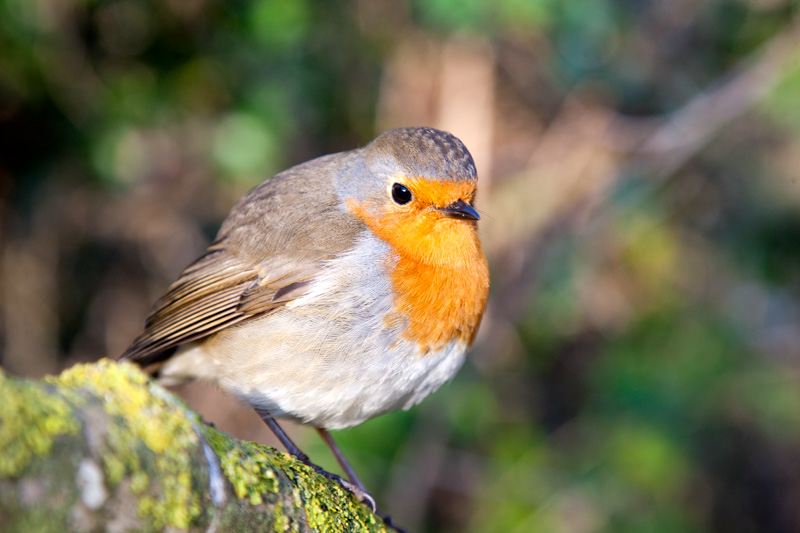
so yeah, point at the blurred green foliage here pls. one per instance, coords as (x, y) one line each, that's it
(648, 379)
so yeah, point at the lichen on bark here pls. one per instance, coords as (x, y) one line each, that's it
(101, 447)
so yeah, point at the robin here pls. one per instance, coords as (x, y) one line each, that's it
(343, 288)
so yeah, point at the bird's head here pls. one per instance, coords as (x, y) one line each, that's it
(415, 189)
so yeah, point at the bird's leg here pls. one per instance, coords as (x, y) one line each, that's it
(342, 460)
(291, 447)
(278, 431)
(351, 473)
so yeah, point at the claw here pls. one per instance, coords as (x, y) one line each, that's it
(354, 487)
(360, 494)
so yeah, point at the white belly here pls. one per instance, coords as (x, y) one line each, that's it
(339, 392)
(328, 359)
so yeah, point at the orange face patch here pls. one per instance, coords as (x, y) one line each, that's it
(440, 278)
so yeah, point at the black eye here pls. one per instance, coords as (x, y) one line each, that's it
(401, 194)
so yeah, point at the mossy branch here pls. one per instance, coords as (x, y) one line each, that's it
(101, 447)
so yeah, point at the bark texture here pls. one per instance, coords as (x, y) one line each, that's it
(101, 448)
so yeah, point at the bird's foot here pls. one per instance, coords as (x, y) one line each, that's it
(353, 486)
(360, 494)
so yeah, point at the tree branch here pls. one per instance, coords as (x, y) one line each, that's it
(101, 447)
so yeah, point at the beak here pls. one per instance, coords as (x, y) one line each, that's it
(460, 209)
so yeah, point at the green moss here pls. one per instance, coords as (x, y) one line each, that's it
(39, 519)
(149, 441)
(30, 420)
(329, 506)
(254, 469)
(251, 468)
(148, 424)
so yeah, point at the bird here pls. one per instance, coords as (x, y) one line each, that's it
(343, 288)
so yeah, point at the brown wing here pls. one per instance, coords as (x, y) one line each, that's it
(266, 254)
(213, 293)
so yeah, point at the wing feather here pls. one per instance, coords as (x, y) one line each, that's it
(265, 256)
(213, 293)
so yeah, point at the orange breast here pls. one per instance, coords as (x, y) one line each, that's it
(439, 275)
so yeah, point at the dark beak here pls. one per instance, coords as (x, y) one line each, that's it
(460, 209)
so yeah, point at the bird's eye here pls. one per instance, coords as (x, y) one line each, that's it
(401, 194)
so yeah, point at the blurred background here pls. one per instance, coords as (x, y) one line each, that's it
(637, 369)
